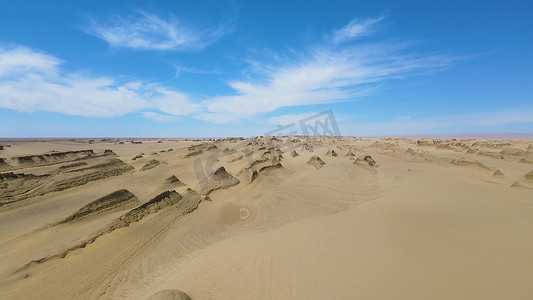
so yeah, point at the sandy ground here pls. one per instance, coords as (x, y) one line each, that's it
(263, 218)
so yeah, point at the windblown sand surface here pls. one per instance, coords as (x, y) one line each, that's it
(266, 218)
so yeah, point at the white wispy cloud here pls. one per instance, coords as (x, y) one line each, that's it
(159, 117)
(334, 72)
(33, 81)
(289, 118)
(146, 31)
(19, 60)
(180, 70)
(355, 29)
(325, 75)
(480, 121)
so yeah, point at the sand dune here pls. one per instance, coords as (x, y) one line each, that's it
(370, 218)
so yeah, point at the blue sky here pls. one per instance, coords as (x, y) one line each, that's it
(239, 68)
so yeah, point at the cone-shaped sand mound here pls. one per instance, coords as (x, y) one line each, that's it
(497, 173)
(525, 161)
(174, 181)
(220, 179)
(529, 176)
(331, 153)
(228, 151)
(169, 295)
(366, 160)
(151, 164)
(410, 151)
(316, 162)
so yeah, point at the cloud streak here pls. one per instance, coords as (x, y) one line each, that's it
(356, 29)
(333, 72)
(32, 81)
(145, 31)
(480, 121)
(325, 75)
(159, 117)
(20, 60)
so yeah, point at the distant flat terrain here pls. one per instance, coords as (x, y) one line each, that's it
(295, 217)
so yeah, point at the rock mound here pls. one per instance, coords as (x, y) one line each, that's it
(254, 176)
(513, 152)
(366, 160)
(491, 154)
(516, 184)
(235, 159)
(220, 179)
(295, 154)
(229, 151)
(193, 153)
(350, 155)
(3, 164)
(316, 162)
(73, 165)
(331, 153)
(31, 186)
(497, 173)
(525, 161)
(425, 142)
(52, 158)
(138, 156)
(159, 202)
(108, 171)
(410, 151)
(109, 152)
(191, 195)
(15, 186)
(169, 295)
(307, 147)
(110, 163)
(151, 164)
(174, 181)
(271, 167)
(529, 176)
(467, 161)
(117, 199)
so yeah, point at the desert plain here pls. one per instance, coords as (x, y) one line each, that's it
(294, 217)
